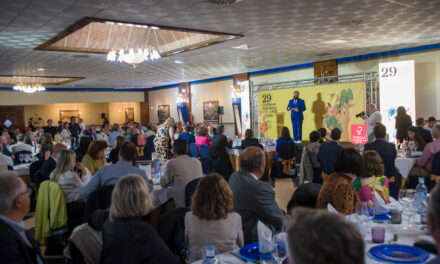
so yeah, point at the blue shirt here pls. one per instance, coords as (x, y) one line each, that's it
(110, 174)
(112, 137)
(6, 151)
(21, 230)
(190, 138)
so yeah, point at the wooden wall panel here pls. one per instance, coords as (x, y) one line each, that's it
(325, 68)
(15, 114)
(145, 109)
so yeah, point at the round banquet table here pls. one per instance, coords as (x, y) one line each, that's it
(404, 165)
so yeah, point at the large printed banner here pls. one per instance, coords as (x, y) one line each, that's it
(328, 106)
(245, 107)
(397, 88)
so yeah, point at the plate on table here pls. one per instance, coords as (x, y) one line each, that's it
(250, 252)
(399, 253)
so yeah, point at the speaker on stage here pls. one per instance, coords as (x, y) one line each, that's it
(221, 110)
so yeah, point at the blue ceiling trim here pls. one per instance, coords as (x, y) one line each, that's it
(213, 79)
(280, 69)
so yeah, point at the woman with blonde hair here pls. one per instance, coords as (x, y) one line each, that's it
(164, 137)
(70, 182)
(372, 179)
(212, 220)
(127, 238)
(95, 156)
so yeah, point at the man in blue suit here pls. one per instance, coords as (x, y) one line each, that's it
(387, 151)
(297, 107)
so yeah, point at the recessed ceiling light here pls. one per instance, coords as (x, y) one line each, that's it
(336, 41)
(40, 69)
(178, 62)
(153, 27)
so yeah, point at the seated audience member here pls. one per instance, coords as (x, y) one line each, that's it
(179, 171)
(95, 157)
(51, 163)
(338, 189)
(323, 135)
(84, 145)
(432, 122)
(101, 135)
(190, 138)
(425, 134)
(306, 195)
(82, 125)
(46, 145)
(90, 131)
(114, 134)
(285, 137)
(212, 220)
(70, 183)
(387, 152)
(249, 140)
(34, 143)
(328, 153)
(414, 140)
(220, 144)
(21, 145)
(110, 174)
(372, 179)
(318, 236)
(52, 130)
(6, 141)
(313, 149)
(126, 237)
(211, 131)
(16, 244)
(433, 218)
(151, 130)
(114, 153)
(202, 137)
(6, 160)
(254, 200)
(432, 148)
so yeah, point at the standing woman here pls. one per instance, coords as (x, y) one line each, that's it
(403, 121)
(164, 137)
(95, 157)
(65, 133)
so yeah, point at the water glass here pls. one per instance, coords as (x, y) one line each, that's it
(280, 247)
(408, 201)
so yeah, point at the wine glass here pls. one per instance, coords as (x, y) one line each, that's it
(21, 157)
(408, 201)
(280, 247)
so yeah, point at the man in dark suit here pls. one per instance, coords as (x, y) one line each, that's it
(388, 153)
(296, 107)
(190, 138)
(219, 154)
(329, 151)
(254, 200)
(425, 134)
(49, 129)
(16, 244)
(75, 130)
(50, 164)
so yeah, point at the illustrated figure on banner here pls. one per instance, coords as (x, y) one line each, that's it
(296, 107)
(338, 112)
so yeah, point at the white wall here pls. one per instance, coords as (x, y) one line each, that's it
(163, 97)
(8, 98)
(299, 74)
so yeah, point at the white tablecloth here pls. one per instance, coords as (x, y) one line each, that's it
(160, 195)
(237, 152)
(22, 169)
(404, 165)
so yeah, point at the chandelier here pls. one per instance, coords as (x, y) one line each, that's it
(29, 88)
(132, 57)
(182, 99)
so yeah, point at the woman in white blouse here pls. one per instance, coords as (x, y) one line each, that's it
(70, 182)
(212, 220)
(65, 134)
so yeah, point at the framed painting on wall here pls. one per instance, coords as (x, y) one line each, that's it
(163, 112)
(66, 114)
(210, 111)
(129, 115)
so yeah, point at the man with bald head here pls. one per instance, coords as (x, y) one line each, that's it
(16, 245)
(254, 200)
(425, 159)
(50, 164)
(373, 117)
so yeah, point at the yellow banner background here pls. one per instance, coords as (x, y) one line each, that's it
(329, 106)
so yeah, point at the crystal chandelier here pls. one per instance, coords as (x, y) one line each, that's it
(132, 57)
(29, 88)
(182, 99)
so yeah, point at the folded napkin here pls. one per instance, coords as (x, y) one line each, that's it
(265, 244)
(379, 205)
